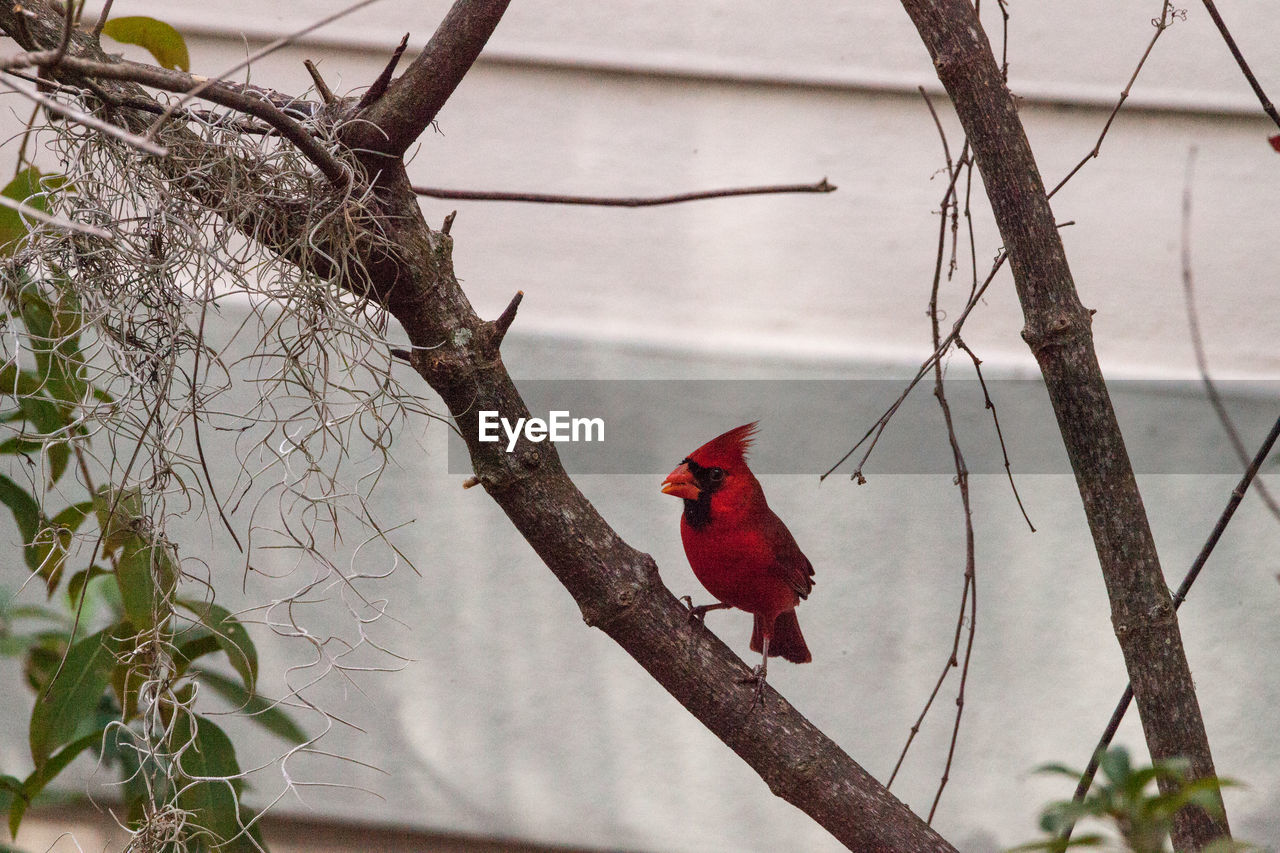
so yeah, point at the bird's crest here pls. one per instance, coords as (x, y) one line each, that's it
(726, 450)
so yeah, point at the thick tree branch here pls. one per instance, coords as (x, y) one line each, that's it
(617, 588)
(393, 122)
(1058, 332)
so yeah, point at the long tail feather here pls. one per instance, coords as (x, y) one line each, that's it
(785, 640)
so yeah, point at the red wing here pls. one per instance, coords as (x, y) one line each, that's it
(790, 563)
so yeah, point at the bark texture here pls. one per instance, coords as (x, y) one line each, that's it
(1058, 331)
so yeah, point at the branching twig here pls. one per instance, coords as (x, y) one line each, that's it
(970, 592)
(1167, 15)
(995, 419)
(821, 186)
(1058, 332)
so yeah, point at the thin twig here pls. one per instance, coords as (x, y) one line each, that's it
(1197, 341)
(604, 201)
(1233, 503)
(1267, 106)
(995, 419)
(1167, 14)
(970, 593)
(968, 598)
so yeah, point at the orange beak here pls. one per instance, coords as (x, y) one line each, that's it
(681, 484)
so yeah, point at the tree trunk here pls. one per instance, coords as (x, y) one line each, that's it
(1058, 331)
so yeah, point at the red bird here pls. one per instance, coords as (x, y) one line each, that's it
(741, 552)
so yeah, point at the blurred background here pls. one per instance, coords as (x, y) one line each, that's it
(512, 726)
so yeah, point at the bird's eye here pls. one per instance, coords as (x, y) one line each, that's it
(716, 475)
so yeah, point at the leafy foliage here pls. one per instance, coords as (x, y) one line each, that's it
(1142, 818)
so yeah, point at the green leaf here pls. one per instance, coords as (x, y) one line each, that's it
(79, 579)
(10, 788)
(262, 711)
(118, 514)
(163, 41)
(20, 383)
(26, 512)
(1115, 765)
(207, 753)
(70, 700)
(231, 636)
(24, 185)
(192, 643)
(146, 577)
(44, 774)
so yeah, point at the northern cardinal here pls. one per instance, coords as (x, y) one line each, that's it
(741, 552)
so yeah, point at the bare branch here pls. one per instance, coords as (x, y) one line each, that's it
(1167, 14)
(637, 201)
(412, 101)
(1267, 106)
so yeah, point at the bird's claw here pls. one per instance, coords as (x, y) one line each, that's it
(696, 614)
(757, 678)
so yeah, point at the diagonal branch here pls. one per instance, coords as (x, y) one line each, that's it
(392, 123)
(1058, 331)
(617, 588)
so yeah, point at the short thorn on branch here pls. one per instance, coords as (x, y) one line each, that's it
(505, 319)
(322, 88)
(470, 482)
(379, 87)
(448, 222)
(402, 354)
